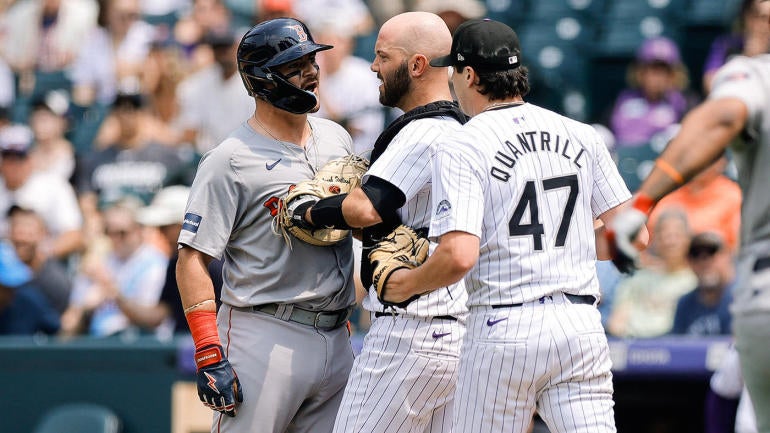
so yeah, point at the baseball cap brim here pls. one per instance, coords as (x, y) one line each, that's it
(442, 61)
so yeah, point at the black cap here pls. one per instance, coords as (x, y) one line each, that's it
(483, 44)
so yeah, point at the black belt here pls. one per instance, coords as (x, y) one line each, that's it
(762, 263)
(388, 313)
(575, 299)
(323, 320)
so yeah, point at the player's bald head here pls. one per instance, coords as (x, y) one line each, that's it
(418, 33)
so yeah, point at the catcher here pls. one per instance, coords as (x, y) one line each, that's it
(415, 342)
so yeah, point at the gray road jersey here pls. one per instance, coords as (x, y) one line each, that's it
(229, 214)
(749, 80)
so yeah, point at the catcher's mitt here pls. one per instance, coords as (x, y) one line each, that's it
(338, 176)
(402, 248)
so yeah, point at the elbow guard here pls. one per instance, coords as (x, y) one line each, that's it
(327, 212)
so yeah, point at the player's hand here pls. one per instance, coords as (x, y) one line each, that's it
(297, 209)
(623, 230)
(218, 385)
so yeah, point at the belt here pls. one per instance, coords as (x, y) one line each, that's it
(388, 313)
(323, 320)
(575, 299)
(762, 263)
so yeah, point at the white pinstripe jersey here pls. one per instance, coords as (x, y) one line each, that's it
(406, 164)
(529, 183)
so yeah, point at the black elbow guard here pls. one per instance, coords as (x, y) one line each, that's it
(327, 212)
(384, 196)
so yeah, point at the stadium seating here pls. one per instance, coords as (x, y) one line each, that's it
(79, 418)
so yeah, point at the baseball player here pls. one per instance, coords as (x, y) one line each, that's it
(515, 195)
(404, 378)
(736, 115)
(277, 355)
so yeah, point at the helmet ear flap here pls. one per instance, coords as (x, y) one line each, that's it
(288, 97)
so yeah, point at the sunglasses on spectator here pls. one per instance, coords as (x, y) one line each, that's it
(703, 252)
(122, 233)
(13, 154)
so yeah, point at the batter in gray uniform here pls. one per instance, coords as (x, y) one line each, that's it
(736, 114)
(277, 355)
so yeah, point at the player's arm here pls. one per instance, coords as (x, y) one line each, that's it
(457, 252)
(218, 385)
(705, 134)
(362, 207)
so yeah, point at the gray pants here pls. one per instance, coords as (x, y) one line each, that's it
(292, 375)
(752, 339)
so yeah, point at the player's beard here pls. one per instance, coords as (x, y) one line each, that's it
(395, 86)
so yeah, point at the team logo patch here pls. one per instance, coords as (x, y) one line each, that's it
(301, 35)
(192, 222)
(335, 189)
(443, 207)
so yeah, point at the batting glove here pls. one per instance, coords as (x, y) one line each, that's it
(218, 385)
(625, 227)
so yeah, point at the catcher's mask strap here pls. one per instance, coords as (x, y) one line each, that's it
(327, 212)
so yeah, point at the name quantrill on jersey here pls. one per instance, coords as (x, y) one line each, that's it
(534, 142)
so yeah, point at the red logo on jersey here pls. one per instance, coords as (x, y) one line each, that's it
(273, 204)
(334, 189)
(301, 35)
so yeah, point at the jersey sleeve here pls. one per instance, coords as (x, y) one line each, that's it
(212, 208)
(406, 162)
(457, 190)
(609, 188)
(740, 78)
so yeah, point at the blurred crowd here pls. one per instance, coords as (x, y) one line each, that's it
(106, 106)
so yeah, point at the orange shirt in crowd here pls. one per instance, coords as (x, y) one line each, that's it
(712, 203)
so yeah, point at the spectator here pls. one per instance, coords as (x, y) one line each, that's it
(28, 235)
(166, 213)
(645, 303)
(655, 98)
(750, 37)
(52, 152)
(113, 58)
(354, 13)
(206, 16)
(453, 13)
(697, 199)
(135, 161)
(50, 196)
(41, 40)
(23, 310)
(113, 54)
(212, 102)
(704, 311)
(109, 289)
(350, 96)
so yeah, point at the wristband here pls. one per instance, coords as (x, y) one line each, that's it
(644, 203)
(669, 169)
(203, 327)
(208, 355)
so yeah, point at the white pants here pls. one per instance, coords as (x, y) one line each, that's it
(548, 356)
(404, 379)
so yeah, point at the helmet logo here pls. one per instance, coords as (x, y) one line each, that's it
(301, 35)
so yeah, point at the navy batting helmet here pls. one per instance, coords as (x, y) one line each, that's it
(265, 47)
